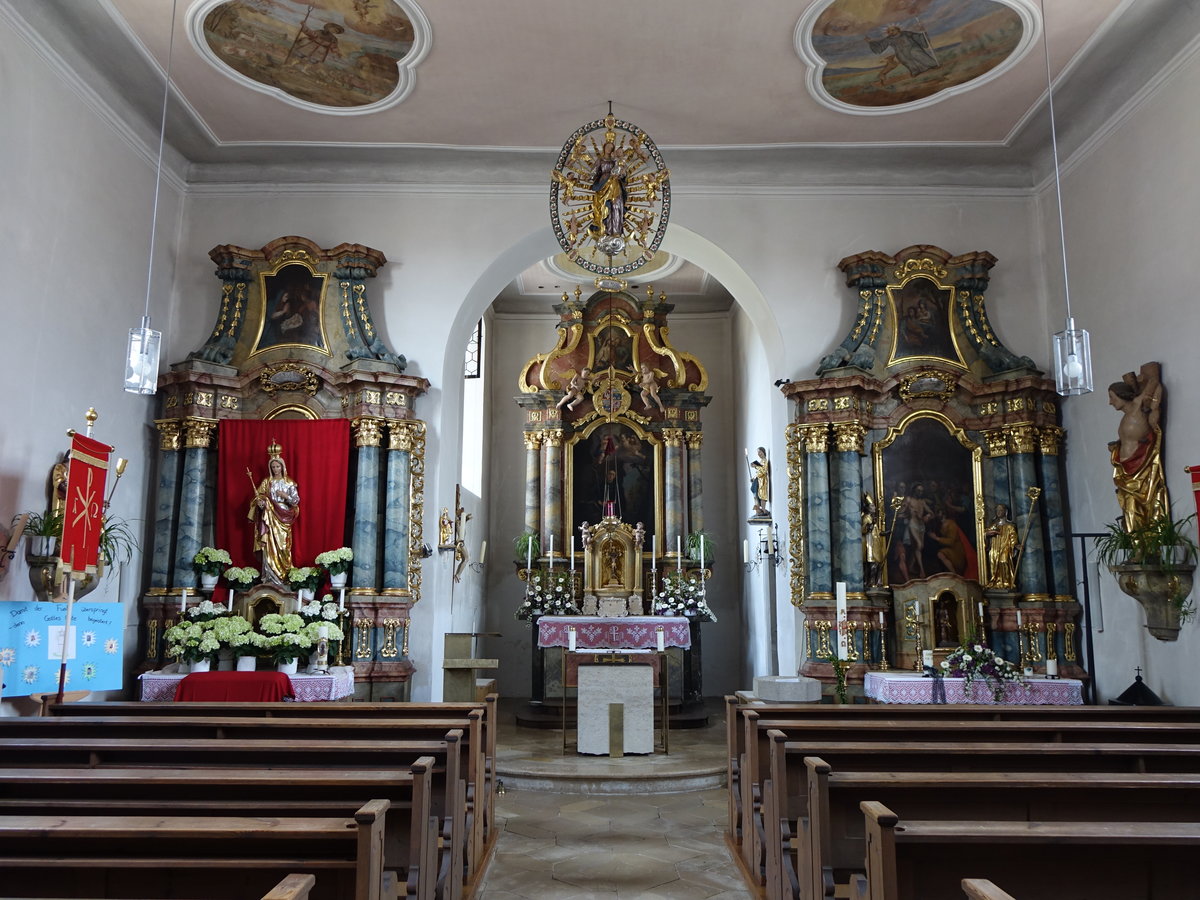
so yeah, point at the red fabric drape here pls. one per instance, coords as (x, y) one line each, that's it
(317, 456)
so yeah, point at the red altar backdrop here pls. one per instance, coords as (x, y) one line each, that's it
(316, 454)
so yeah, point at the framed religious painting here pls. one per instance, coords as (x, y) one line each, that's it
(293, 309)
(922, 313)
(928, 477)
(615, 469)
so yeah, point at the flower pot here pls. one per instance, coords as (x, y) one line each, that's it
(201, 665)
(43, 545)
(225, 660)
(247, 663)
(304, 595)
(338, 581)
(1161, 594)
(208, 582)
(287, 668)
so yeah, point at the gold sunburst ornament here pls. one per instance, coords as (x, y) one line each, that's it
(610, 197)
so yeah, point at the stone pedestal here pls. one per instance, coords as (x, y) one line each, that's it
(631, 686)
(787, 689)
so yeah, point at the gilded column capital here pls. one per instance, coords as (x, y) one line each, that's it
(672, 437)
(170, 434)
(533, 440)
(400, 435)
(1023, 438)
(997, 442)
(848, 437)
(1050, 439)
(553, 437)
(199, 433)
(815, 437)
(694, 439)
(367, 431)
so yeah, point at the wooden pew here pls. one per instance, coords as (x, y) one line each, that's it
(216, 754)
(835, 841)
(191, 857)
(289, 728)
(410, 839)
(292, 887)
(927, 859)
(982, 889)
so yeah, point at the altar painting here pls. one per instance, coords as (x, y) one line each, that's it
(612, 347)
(614, 471)
(292, 303)
(928, 473)
(922, 310)
(880, 54)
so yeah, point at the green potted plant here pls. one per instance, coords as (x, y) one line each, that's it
(338, 563)
(44, 532)
(528, 546)
(117, 542)
(1154, 563)
(209, 563)
(304, 580)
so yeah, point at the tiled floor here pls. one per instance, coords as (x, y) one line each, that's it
(613, 828)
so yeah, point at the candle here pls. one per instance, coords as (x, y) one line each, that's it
(529, 554)
(323, 632)
(745, 550)
(1052, 668)
(183, 601)
(550, 553)
(653, 558)
(661, 638)
(678, 553)
(927, 658)
(881, 619)
(231, 599)
(572, 554)
(571, 638)
(980, 605)
(483, 553)
(701, 552)
(1018, 619)
(342, 600)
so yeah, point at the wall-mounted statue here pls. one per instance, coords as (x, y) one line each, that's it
(274, 510)
(1137, 452)
(1002, 551)
(874, 541)
(760, 482)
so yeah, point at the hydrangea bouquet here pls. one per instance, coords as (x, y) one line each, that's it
(975, 662)
(241, 576)
(192, 641)
(211, 561)
(680, 595)
(336, 561)
(323, 610)
(304, 578)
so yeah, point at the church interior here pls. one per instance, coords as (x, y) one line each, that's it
(641, 366)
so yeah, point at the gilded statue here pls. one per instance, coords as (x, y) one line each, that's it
(1137, 452)
(445, 528)
(874, 541)
(760, 481)
(274, 510)
(1002, 549)
(614, 559)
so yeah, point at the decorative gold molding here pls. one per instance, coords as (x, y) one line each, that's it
(795, 512)
(924, 264)
(997, 443)
(552, 438)
(816, 438)
(1050, 440)
(920, 385)
(1051, 637)
(694, 439)
(152, 639)
(416, 507)
(1069, 641)
(367, 431)
(199, 433)
(672, 437)
(404, 641)
(288, 376)
(362, 640)
(533, 440)
(848, 437)
(400, 435)
(388, 650)
(169, 435)
(1022, 438)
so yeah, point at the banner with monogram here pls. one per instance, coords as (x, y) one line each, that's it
(1194, 471)
(31, 645)
(84, 513)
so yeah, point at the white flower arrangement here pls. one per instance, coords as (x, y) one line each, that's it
(975, 662)
(323, 610)
(336, 561)
(191, 641)
(242, 576)
(211, 561)
(548, 592)
(205, 611)
(682, 596)
(285, 635)
(304, 577)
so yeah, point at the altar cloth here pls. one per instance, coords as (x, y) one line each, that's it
(617, 633)
(909, 687)
(159, 687)
(234, 687)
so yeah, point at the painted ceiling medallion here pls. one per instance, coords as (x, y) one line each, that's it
(344, 57)
(610, 197)
(871, 57)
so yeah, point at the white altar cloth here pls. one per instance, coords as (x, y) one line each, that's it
(910, 687)
(159, 687)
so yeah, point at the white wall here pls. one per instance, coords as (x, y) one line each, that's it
(1130, 211)
(78, 192)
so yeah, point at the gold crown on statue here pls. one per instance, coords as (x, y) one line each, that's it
(274, 451)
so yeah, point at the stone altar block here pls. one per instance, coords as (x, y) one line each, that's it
(631, 685)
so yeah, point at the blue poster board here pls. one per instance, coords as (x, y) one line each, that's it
(31, 643)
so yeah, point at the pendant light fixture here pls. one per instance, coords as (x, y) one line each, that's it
(141, 356)
(1072, 346)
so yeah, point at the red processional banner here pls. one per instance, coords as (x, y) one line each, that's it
(84, 512)
(1194, 471)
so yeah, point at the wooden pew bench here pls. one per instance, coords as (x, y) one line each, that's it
(832, 843)
(982, 889)
(217, 755)
(191, 857)
(291, 887)
(411, 835)
(921, 859)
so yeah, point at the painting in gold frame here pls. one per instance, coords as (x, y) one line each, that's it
(936, 471)
(620, 463)
(922, 313)
(293, 309)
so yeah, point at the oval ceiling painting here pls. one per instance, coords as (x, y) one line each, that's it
(335, 56)
(885, 56)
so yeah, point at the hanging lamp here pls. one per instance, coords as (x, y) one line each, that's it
(142, 352)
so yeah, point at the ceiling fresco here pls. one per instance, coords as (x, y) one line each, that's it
(892, 55)
(335, 55)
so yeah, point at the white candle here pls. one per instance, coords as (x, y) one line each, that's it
(927, 658)
(980, 605)
(1018, 618)
(550, 554)
(571, 638)
(323, 632)
(678, 553)
(841, 617)
(231, 599)
(661, 638)
(342, 600)
(653, 557)
(1052, 667)
(745, 550)
(572, 554)
(483, 553)
(183, 601)
(702, 552)
(529, 554)
(881, 618)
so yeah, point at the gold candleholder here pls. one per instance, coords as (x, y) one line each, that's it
(883, 660)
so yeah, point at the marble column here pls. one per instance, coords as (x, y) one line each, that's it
(695, 481)
(365, 538)
(166, 511)
(533, 482)
(396, 513)
(1057, 541)
(1031, 575)
(819, 572)
(845, 490)
(673, 500)
(199, 434)
(552, 491)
